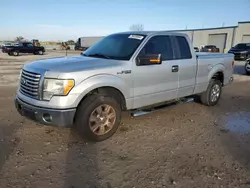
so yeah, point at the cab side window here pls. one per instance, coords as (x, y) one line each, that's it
(30, 45)
(183, 49)
(159, 45)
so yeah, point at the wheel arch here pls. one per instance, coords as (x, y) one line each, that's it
(107, 91)
(103, 84)
(219, 76)
(217, 73)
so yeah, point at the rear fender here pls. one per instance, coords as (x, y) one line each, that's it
(217, 68)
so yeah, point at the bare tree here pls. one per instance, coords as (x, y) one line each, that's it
(18, 39)
(137, 27)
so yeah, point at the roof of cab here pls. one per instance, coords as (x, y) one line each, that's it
(152, 33)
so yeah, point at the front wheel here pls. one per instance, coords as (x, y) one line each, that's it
(40, 52)
(212, 95)
(98, 117)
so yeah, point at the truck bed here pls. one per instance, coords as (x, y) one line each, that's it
(209, 64)
(207, 55)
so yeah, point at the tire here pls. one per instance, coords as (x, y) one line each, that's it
(207, 98)
(40, 52)
(9, 53)
(15, 53)
(247, 72)
(88, 108)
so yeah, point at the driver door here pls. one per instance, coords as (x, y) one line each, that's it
(156, 83)
(30, 48)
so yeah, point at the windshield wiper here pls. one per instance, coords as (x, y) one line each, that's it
(98, 55)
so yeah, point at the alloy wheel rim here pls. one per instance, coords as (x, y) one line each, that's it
(102, 119)
(215, 93)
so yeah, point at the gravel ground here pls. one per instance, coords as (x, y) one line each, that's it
(186, 146)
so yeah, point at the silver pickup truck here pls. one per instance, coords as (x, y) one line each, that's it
(123, 71)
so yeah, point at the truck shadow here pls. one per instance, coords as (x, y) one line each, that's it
(82, 163)
(7, 141)
(234, 126)
(88, 163)
(8, 127)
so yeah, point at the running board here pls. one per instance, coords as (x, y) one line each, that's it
(141, 112)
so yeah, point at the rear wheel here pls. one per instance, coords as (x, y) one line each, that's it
(212, 95)
(15, 53)
(98, 117)
(10, 54)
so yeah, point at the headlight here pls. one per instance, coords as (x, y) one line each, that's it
(244, 52)
(54, 87)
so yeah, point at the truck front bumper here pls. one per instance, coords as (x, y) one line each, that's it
(46, 116)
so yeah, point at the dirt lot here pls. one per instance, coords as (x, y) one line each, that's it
(187, 146)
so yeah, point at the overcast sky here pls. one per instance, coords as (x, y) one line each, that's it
(55, 20)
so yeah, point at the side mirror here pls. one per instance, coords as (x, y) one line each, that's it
(149, 59)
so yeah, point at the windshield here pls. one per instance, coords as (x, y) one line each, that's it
(116, 46)
(240, 46)
(7, 44)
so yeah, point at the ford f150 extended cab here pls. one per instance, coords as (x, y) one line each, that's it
(123, 71)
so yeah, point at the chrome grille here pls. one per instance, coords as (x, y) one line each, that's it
(29, 84)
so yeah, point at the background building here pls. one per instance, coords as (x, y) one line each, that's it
(223, 37)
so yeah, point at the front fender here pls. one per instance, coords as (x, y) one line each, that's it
(97, 81)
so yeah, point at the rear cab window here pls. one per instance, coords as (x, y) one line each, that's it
(182, 48)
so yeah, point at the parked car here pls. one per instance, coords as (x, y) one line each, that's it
(241, 51)
(196, 49)
(124, 71)
(247, 66)
(24, 47)
(210, 48)
(5, 46)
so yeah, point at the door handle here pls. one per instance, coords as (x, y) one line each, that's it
(175, 68)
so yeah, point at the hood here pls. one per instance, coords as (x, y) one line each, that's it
(71, 64)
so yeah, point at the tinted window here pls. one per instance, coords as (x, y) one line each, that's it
(116, 46)
(183, 48)
(240, 46)
(30, 45)
(159, 45)
(248, 46)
